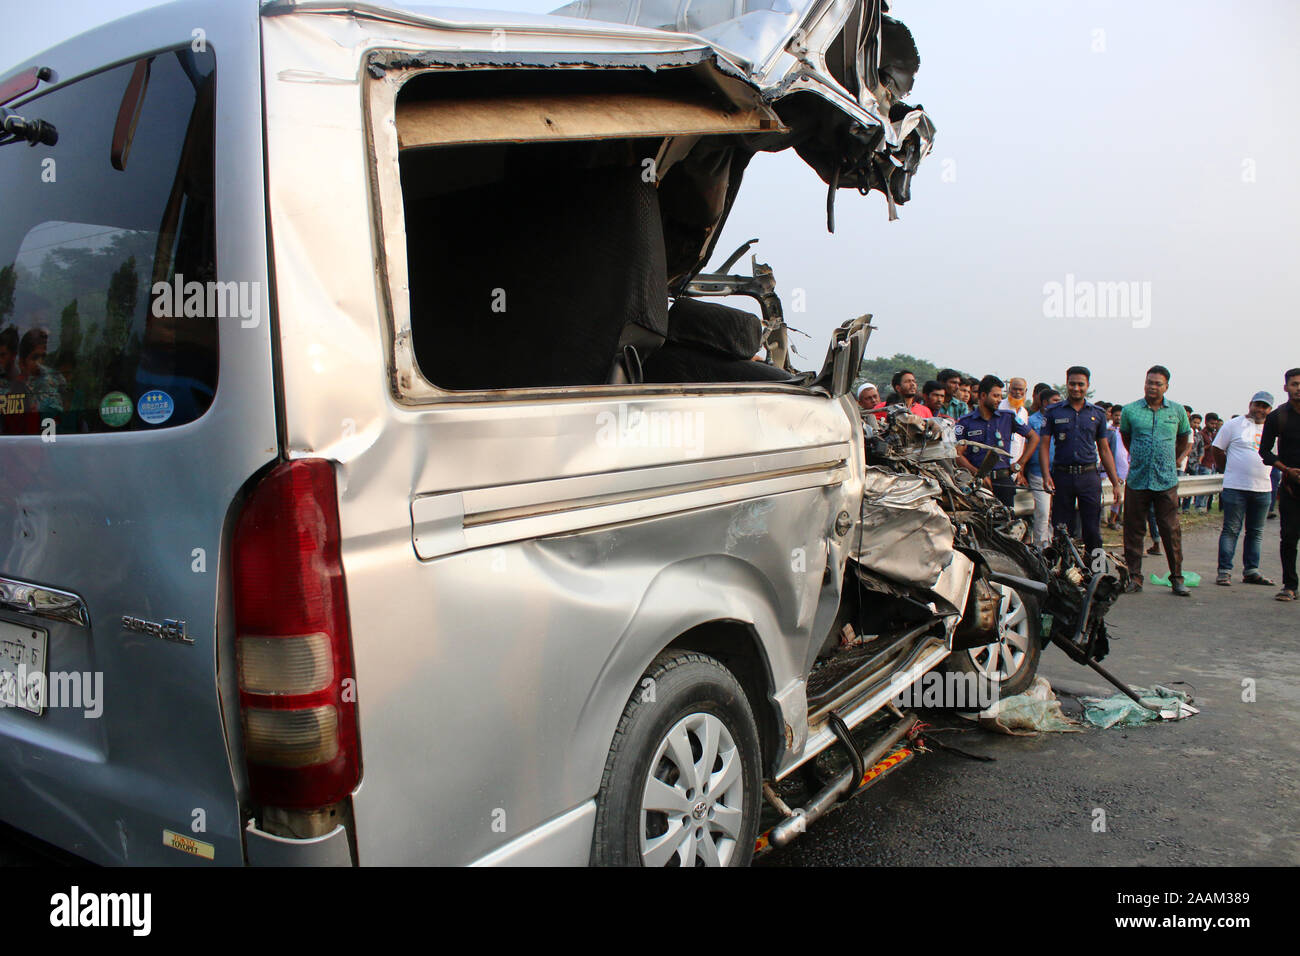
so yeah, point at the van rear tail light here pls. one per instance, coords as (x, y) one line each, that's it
(285, 665)
(291, 738)
(293, 641)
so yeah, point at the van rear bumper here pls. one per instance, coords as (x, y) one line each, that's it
(265, 849)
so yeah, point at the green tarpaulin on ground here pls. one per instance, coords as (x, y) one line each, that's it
(1120, 710)
(1190, 578)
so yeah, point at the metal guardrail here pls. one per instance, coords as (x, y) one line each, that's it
(1187, 485)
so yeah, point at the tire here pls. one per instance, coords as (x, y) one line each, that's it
(1019, 649)
(694, 700)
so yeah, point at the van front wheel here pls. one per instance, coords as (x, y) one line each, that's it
(682, 783)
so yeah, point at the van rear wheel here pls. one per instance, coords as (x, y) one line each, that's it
(682, 783)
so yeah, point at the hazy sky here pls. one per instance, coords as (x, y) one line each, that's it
(1122, 165)
(1150, 142)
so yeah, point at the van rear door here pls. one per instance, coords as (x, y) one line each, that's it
(136, 401)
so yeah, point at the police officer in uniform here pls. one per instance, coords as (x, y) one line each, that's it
(989, 426)
(1079, 429)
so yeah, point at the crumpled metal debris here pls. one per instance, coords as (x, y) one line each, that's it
(906, 536)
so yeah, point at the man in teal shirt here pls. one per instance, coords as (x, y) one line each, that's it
(954, 407)
(1156, 433)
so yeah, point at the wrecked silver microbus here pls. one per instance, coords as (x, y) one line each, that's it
(379, 441)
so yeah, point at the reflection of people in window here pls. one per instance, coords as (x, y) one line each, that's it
(40, 383)
(8, 353)
(73, 398)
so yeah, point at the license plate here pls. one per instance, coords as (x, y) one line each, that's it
(22, 659)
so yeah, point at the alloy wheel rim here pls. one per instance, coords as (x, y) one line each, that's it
(1002, 659)
(693, 799)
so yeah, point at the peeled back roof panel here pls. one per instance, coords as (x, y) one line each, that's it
(752, 29)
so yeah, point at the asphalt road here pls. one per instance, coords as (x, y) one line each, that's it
(1217, 788)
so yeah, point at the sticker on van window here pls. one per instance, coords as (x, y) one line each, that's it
(193, 847)
(115, 409)
(155, 407)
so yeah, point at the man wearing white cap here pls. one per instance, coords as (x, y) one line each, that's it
(869, 399)
(1247, 489)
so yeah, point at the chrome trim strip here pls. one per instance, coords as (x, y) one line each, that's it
(651, 480)
(50, 603)
(477, 518)
(650, 506)
(454, 521)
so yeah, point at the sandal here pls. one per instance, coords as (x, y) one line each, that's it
(1286, 594)
(1224, 578)
(1257, 578)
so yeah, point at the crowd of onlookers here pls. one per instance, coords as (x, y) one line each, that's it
(1057, 446)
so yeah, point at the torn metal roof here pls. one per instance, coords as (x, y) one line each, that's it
(834, 71)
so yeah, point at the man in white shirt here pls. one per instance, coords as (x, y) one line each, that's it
(1015, 403)
(1120, 454)
(1247, 489)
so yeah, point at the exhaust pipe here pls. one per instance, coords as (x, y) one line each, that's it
(845, 782)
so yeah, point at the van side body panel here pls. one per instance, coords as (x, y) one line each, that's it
(496, 646)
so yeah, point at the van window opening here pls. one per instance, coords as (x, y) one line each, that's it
(540, 259)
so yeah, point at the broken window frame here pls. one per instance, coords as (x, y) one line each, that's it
(407, 383)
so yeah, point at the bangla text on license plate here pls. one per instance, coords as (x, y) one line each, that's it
(22, 658)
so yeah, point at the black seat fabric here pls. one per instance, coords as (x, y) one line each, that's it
(710, 342)
(714, 326)
(675, 362)
(572, 260)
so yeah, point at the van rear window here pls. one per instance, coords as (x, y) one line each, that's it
(120, 206)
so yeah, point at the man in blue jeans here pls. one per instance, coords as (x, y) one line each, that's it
(1247, 488)
(1282, 432)
(1044, 397)
(1194, 466)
